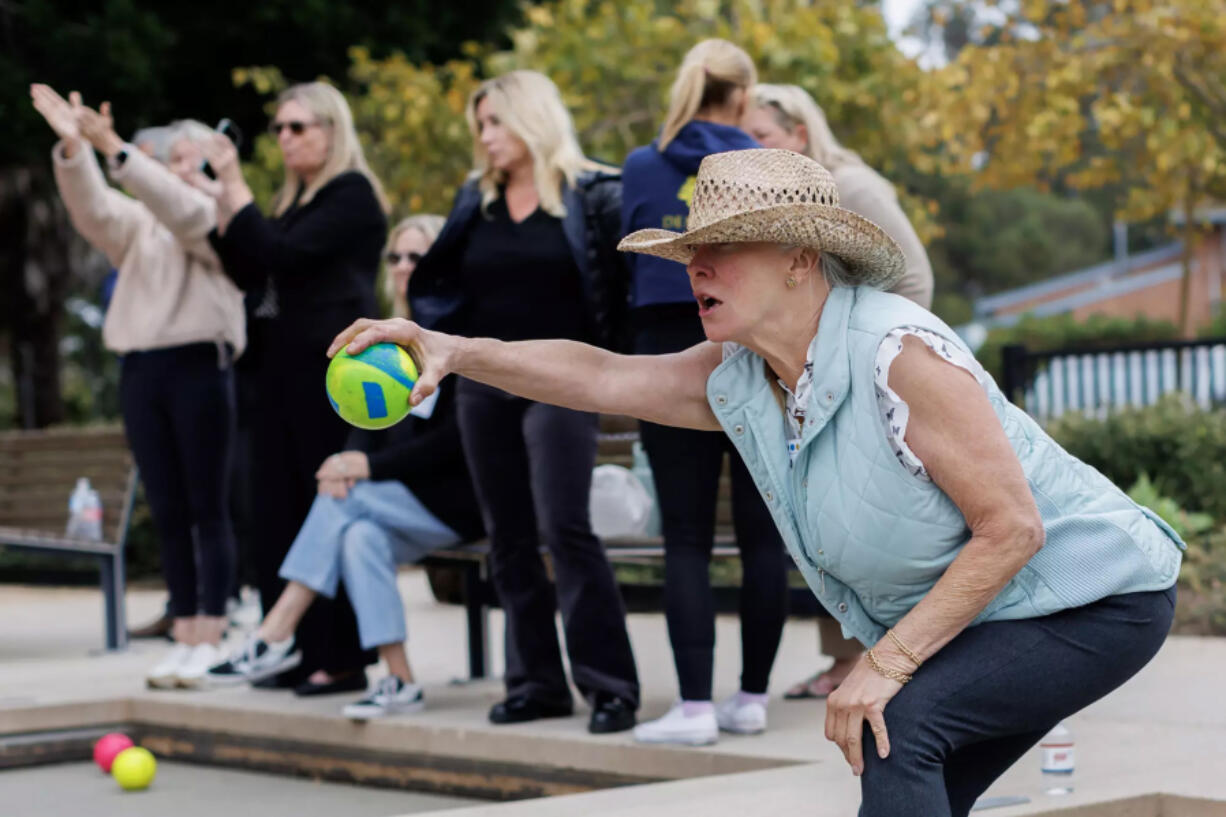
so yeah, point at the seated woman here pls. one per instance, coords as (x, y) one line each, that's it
(390, 498)
(999, 583)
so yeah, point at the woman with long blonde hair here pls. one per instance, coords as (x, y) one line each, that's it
(529, 252)
(708, 100)
(307, 268)
(785, 116)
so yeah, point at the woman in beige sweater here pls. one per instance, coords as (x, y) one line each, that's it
(178, 323)
(785, 116)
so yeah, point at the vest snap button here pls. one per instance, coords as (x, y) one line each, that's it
(821, 552)
(721, 400)
(829, 396)
(770, 497)
(842, 607)
(739, 429)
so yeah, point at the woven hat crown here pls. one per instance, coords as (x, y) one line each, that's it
(743, 181)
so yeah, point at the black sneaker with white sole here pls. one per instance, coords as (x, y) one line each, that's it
(255, 660)
(390, 696)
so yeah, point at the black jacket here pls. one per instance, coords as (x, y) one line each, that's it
(592, 226)
(321, 259)
(426, 456)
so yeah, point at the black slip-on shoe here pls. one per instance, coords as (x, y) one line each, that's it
(611, 714)
(521, 709)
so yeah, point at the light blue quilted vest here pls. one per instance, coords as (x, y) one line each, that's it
(870, 538)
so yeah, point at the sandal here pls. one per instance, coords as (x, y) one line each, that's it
(818, 686)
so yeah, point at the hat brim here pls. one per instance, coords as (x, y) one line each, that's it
(865, 248)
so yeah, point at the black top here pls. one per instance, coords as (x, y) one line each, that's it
(320, 258)
(591, 229)
(521, 278)
(426, 456)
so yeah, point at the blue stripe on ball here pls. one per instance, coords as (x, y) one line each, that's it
(385, 358)
(376, 406)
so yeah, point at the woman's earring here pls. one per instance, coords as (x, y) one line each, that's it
(791, 282)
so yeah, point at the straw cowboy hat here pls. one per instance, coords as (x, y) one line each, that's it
(777, 196)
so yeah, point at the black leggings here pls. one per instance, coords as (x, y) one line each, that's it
(685, 466)
(178, 412)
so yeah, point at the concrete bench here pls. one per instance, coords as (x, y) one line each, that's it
(38, 470)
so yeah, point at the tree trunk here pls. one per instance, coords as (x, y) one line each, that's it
(35, 238)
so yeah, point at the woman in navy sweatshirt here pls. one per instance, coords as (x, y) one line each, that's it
(708, 100)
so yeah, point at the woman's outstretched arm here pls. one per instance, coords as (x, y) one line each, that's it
(665, 389)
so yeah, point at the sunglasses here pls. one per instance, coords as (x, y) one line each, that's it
(394, 258)
(296, 127)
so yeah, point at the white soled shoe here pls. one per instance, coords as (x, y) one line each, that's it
(677, 727)
(165, 674)
(747, 718)
(255, 660)
(192, 671)
(391, 696)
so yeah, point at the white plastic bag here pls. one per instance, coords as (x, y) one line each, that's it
(619, 504)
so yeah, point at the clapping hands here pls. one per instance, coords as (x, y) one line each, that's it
(73, 121)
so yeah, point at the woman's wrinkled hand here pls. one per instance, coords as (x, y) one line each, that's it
(861, 697)
(436, 353)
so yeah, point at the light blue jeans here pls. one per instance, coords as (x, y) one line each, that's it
(360, 540)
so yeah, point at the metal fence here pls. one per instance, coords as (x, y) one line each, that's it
(1097, 381)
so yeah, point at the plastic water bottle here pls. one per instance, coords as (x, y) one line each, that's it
(641, 468)
(84, 512)
(1058, 758)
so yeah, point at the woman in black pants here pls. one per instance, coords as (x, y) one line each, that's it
(529, 252)
(314, 261)
(177, 321)
(708, 100)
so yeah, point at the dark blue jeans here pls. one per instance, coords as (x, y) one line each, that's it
(994, 691)
(178, 414)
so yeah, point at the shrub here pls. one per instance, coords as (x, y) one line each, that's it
(1180, 446)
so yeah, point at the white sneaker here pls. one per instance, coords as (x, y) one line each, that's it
(191, 673)
(677, 727)
(390, 696)
(743, 719)
(255, 660)
(165, 674)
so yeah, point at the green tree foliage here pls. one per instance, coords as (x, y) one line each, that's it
(155, 62)
(614, 63)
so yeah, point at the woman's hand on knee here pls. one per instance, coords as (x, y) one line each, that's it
(861, 698)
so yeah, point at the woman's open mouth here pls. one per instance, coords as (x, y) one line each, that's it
(707, 305)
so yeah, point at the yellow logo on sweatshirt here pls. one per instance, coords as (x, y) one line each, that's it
(676, 221)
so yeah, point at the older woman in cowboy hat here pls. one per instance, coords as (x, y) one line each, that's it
(1000, 584)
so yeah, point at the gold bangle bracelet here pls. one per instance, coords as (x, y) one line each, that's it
(888, 672)
(907, 651)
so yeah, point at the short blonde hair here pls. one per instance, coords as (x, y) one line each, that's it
(529, 104)
(428, 225)
(792, 106)
(709, 74)
(344, 149)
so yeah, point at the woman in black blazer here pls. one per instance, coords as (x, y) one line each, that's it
(311, 269)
